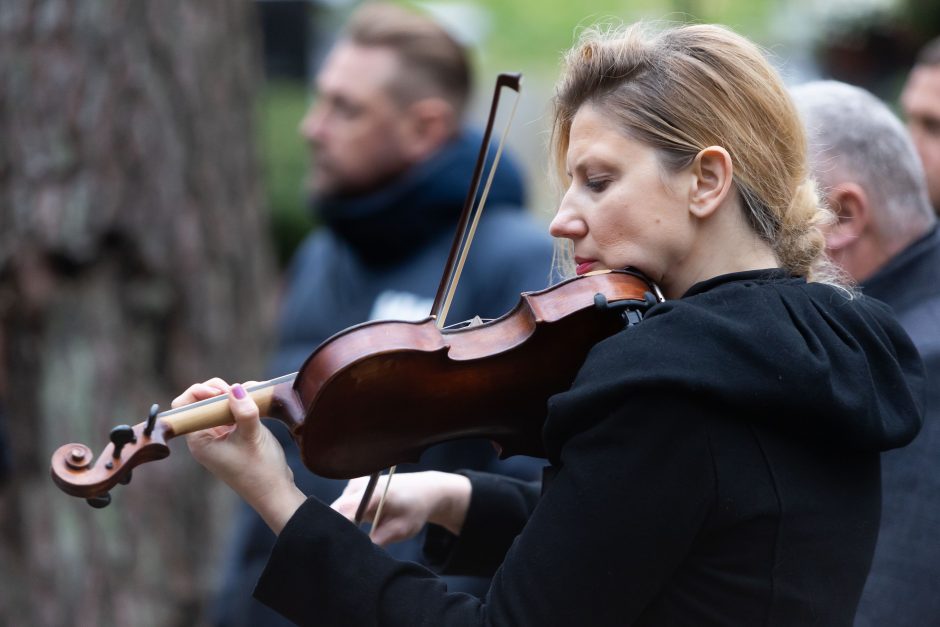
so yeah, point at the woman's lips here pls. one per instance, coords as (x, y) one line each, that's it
(584, 265)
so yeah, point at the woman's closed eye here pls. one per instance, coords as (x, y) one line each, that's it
(597, 185)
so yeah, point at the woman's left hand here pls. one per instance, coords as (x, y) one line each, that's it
(245, 455)
(416, 499)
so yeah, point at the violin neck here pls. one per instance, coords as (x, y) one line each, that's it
(272, 397)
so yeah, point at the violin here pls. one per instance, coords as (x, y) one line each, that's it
(380, 393)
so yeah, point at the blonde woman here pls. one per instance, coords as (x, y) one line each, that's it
(716, 464)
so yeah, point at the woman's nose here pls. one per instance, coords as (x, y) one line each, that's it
(567, 222)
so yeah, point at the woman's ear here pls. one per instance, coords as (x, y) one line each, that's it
(712, 174)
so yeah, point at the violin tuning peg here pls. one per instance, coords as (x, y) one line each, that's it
(125, 479)
(152, 419)
(100, 501)
(120, 436)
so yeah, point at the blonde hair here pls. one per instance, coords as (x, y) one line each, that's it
(685, 88)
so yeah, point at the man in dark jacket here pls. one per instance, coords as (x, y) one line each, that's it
(391, 168)
(921, 104)
(886, 238)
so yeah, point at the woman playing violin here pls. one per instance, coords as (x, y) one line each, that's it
(716, 463)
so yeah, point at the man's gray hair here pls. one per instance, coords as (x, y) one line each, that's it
(853, 136)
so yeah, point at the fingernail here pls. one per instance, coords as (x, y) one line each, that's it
(238, 391)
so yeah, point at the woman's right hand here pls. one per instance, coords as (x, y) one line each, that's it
(414, 499)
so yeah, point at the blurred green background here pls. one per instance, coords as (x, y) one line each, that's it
(866, 42)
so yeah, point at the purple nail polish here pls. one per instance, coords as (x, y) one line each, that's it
(238, 391)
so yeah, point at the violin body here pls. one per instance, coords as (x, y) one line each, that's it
(380, 393)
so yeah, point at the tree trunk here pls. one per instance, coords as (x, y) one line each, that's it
(133, 261)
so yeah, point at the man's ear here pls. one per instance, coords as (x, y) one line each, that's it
(712, 175)
(428, 124)
(849, 203)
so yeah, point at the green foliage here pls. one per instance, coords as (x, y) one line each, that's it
(922, 16)
(284, 163)
(534, 34)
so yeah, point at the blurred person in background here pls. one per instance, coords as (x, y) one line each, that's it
(885, 236)
(920, 101)
(391, 167)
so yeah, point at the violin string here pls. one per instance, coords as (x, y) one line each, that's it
(455, 277)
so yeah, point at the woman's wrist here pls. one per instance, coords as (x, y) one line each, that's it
(452, 502)
(277, 507)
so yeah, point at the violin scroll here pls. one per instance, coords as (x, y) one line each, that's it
(76, 471)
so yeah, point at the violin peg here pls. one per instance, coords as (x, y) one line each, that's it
(100, 501)
(126, 478)
(120, 436)
(152, 419)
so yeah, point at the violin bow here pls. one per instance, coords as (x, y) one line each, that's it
(457, 257)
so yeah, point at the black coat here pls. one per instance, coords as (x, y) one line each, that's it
(716, 464)
(902, 588)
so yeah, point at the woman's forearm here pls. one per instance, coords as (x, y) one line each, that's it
(452, 502)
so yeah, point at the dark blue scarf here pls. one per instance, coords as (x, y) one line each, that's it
(391, 223)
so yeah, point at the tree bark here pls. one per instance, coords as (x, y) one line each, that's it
(133, 261)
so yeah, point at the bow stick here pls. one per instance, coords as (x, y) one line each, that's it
(466, 229)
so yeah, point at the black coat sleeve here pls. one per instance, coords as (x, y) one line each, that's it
(499, 509)
(618, 519)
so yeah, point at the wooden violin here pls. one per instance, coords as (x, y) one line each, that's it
(380, 393)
